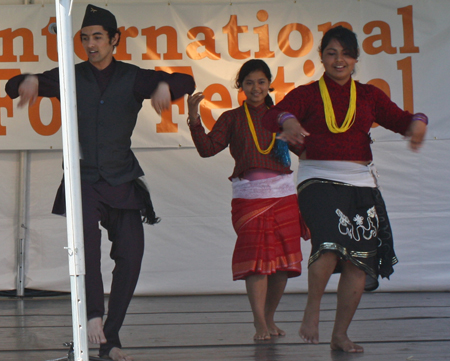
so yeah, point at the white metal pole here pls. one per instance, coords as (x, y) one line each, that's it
(72, 181)
(23, 224)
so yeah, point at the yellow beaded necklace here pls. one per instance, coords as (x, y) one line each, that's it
(253, 131)
(329, 111)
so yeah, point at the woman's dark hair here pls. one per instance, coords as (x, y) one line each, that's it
(346, 38)
(251, 66)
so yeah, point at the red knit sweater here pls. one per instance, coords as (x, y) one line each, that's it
(372, 105)
(231, 129)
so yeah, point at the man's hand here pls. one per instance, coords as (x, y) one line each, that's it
(28, 90)
(293, 132)
(161, 97)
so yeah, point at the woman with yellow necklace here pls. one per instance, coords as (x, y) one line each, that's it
(337, 183)
(265, 213)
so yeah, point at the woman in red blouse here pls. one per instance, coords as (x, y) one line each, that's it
(265, 213)
(337, 183)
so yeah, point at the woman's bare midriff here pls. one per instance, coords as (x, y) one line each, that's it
(259, 173)
(363, 162)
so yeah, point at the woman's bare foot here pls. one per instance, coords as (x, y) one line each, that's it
(116, 354)
(261, 336)
(274, 330)
(95, 331)
(343, 343)
(262, 332)
(309, 330)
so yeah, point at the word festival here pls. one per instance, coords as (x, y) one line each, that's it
(202, 42)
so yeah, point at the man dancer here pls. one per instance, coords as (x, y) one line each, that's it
(109, 96)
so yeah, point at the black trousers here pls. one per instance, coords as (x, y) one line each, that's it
(125, 231)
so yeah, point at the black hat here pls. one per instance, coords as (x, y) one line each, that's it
(98, 16)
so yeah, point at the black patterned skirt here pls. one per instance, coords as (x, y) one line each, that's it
(350, 221)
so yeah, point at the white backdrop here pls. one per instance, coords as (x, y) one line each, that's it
(190, 250)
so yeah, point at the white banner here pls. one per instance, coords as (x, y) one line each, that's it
(402, 45)
(404, 50)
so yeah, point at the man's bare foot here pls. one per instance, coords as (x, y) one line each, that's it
(116, 354)
(343, 343)
(95, 331)
(309, 330)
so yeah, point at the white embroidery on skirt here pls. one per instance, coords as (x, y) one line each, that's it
(359, 230)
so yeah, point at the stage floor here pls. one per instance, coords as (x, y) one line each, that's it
(390, 326)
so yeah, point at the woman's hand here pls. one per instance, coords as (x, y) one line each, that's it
(28, 90)
(293, 132)
(416, 132)
(193, 104)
